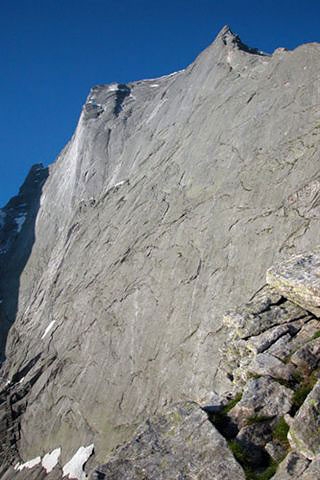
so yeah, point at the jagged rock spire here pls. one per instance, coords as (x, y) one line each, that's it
(230, 39)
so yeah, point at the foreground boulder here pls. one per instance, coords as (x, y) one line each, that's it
(181, 444)
(298, 279)
(262, 396)
(272, 357)
(304, 433)
(292, 467)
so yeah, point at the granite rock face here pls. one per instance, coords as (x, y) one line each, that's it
(142, 238)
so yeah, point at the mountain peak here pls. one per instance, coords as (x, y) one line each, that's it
(226, 32)
(231, 39)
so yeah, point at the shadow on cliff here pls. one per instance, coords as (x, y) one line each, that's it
(17, 237)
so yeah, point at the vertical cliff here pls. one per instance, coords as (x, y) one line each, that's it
(166, 207)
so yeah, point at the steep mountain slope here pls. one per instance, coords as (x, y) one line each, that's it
(17, 236)
(167, 206)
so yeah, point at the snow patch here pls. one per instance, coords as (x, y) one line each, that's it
(30, 464)
(114, 87)
(47, 330)
(74, 468)
(50, 460)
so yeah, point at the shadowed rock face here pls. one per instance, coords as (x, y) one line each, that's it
(166, 208)
(17, 236)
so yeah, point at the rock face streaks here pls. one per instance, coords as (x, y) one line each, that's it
(148, 221)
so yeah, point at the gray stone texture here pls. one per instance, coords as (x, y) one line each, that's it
(313, 471)
(292, 468)
(304, 433)
(166, 207)
(299, 280)
(180, 444)
(264, 397)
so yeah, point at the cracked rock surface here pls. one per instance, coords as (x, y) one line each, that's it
(167, 206)
(299, 280)
(304, 433)
(179, 444)
(272, 356)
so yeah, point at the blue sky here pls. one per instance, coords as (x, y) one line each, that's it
(53, 51)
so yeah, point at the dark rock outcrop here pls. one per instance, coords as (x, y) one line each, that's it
(17, 236)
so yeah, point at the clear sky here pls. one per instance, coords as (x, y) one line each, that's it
(53, 51)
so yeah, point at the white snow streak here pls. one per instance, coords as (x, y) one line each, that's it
(47, 330)
(74, 468)
(156, 110)
(119, 183)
